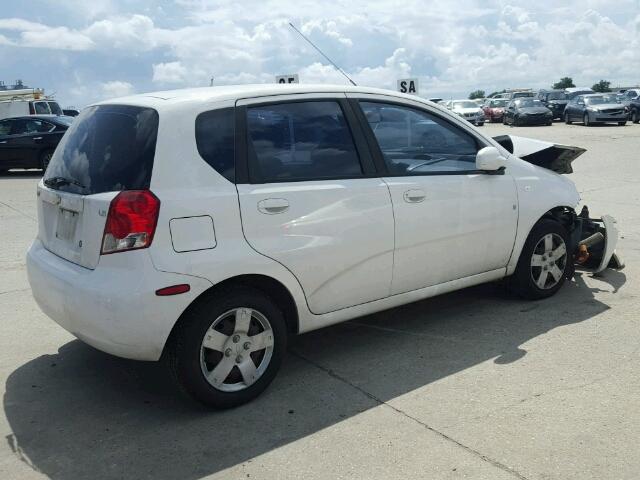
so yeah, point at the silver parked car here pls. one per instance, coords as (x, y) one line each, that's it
(596, 108)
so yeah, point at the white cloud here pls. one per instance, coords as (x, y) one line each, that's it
(116, 88)
(452, 46)
(171, 72)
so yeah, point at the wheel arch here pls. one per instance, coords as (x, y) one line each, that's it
(563, 214)
(266, 284)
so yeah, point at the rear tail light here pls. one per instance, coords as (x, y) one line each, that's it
(131, 222)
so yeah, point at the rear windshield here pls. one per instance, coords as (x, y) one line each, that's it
(107, 148)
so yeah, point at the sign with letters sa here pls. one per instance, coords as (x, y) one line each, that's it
(408, 85)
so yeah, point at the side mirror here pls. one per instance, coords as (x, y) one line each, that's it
(489, 160)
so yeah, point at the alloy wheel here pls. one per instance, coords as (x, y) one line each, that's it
(548, 261)
(236, 349)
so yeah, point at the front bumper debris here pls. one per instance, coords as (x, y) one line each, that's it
(594, 242)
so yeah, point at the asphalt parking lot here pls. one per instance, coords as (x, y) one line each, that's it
(474, 384)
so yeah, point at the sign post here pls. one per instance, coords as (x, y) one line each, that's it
(408, 85)
(293, 78)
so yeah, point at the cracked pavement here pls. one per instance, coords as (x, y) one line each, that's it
(474, 384)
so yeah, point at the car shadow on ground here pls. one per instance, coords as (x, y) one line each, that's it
(84, 414)
(14, 174)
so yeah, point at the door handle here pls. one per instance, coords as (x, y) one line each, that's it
(414, 196)
(37, 138)
(272, 206)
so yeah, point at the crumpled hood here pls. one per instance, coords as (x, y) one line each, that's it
(553, 156)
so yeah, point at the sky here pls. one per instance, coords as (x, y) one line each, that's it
(90, 50)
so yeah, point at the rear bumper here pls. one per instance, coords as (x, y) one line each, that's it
(114, 307)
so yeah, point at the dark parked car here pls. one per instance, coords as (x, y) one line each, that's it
(494, 109)
(596, 108)
(554, 100)
(634, 110)
(527, 111)
(29, 142)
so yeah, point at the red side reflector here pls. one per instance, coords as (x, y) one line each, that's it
(173, 290)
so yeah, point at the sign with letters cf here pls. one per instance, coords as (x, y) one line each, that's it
(408, 85)
(293, 78)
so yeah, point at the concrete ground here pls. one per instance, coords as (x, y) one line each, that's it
(475, 384)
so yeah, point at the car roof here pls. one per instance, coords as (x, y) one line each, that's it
(162, 99)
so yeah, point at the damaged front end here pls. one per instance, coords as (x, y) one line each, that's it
(592, 241)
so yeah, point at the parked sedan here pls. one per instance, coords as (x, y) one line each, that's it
(596, 108)
(527, 111)
(469, 110)
(29, 142)
(634, 110)
(554, 100)
(494, 109)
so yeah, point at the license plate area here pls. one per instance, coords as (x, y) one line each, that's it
(66, 225)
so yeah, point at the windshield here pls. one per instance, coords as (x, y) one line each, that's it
(107, 148)
(498, 103)
(601, 99)
(465, 104)
(529, 102)
(556, 96)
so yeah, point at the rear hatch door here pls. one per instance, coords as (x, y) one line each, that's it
(108, 148)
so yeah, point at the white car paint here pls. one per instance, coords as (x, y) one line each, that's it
(342, 248)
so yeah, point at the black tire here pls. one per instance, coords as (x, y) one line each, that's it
(504, 120)
(480, 124)
(622, 124)
(567, 120)
(585, 120)
(45, 158)
(549, 123)
(184, 349)
(635, 118)
(522, 282)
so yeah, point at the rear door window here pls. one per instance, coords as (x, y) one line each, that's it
(5, 127)
(107, 148)
(215, 137)
(300, 141)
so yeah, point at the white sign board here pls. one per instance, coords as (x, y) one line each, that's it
(293, 78)
(408, 85)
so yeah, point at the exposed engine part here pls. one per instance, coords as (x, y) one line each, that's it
(591, 240)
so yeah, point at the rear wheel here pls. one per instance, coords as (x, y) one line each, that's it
(45, 158)
(567, 120)
(543, 263)
(228, 347)
(622, 124)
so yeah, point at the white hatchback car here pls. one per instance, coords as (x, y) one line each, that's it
(205, 226)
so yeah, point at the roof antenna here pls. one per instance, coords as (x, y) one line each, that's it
(320, 51)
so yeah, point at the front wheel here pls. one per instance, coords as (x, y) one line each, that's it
(622, 124)
(567, 120)
(635, 118)
(543, 262)
(228, 347)
(45, 159)
(585, 120)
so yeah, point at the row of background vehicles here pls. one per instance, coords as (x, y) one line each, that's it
(526, 107)
(31, 126)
